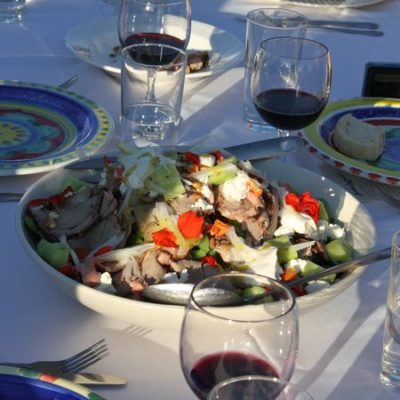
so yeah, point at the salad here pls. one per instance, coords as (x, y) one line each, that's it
(159, 216)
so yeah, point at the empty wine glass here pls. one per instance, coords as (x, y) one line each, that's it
(238, 324)
(291, 82)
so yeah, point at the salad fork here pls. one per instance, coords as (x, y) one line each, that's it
(74, 364)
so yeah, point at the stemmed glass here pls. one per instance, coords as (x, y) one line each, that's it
(291, 82)
(238, 324)
(158, 22)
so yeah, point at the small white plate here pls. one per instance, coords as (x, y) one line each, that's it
(96, 42)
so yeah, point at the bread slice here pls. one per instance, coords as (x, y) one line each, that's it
(358, 139)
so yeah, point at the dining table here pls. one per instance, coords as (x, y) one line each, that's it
(340, 341)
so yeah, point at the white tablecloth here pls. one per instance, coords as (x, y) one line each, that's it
(340, 345)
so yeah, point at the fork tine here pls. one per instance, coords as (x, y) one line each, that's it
(85, 358)
(85, 363)
(82, 353)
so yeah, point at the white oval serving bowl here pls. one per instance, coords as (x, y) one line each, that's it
(342, 204)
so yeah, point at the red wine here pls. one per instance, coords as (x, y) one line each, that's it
(215, 368)
(153, 54)
(288, 109)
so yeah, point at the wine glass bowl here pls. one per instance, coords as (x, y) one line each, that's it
(257, 387)
(254, 332)
(291, 82)
(156, 21)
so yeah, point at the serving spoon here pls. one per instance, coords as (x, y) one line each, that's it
(178, 293)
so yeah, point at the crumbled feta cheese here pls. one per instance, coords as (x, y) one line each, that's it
(326, 230)
(292, 221)
(207, 193)
(207, 160)
(297, 264)
(105, 284)
(201, 204)
(315, 286)
(236, 189)
(336, 231)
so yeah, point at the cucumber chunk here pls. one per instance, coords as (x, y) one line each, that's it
(339, 250)
(220, 177)
(280, 241)
(323, 212)
(311, 268)
(56, 254)
(285, 254)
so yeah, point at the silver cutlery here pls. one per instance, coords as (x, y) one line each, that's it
(68, 83)
(344, 24)
(94, 379)
(352, 27)
(74, 364)
(263, 149)
(248, 151)
(364, 32)
(178, 293)
(370, 258)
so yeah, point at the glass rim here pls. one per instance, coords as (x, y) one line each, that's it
(304, 24)
(290, 295)
(322, 46)
(126, 57)
(284, 383)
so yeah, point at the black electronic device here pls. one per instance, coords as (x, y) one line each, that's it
(381, 80)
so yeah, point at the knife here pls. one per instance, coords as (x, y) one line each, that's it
(322, 23)
(249, 151)
(89, 378)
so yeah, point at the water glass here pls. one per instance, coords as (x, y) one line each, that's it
(257, 387)
(390, 365)
(263, 24)
(152, 81)
(11, 10)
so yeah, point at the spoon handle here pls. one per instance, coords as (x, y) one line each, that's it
(375, 256)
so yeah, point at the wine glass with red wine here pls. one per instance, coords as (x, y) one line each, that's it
(291, 82)
(165, 22)
(238, 324)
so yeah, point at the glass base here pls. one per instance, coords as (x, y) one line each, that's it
(390, 382)
(149, 121)
(259, 127)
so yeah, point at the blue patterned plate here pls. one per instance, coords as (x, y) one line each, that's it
(26, 384)
(42, 127)
(376, 111)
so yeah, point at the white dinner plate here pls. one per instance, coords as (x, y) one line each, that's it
(96, 42)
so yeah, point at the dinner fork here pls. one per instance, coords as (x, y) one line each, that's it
(74, 364)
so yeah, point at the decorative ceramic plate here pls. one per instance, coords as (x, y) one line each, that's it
(44, 126)
(376, 111)
(96, 42)
(21, 383)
